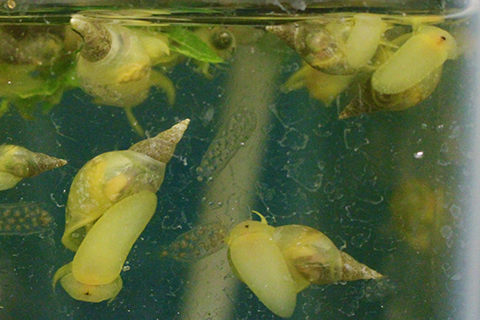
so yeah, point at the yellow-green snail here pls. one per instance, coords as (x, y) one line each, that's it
(277, 263)
(409, 75)
(17, 163)
(115, 64)
(335, 47)
(111, 200)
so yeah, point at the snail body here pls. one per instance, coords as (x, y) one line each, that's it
(17, 163)
(111, 200)
(418, 57)
(321, 86)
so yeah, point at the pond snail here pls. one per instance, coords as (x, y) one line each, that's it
(111, 200)
(17, 163)
(408, 75)
(335, 47)
(115, 64)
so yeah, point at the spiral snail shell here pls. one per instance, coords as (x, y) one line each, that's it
(17, 163)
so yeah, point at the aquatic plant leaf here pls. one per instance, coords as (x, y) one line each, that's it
(191, 45)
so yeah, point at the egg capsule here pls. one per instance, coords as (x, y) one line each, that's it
(226, 144)
(111, 200)
(17, 163)
(115, 64)
(197, 243)
(426, 51)
(24, 218)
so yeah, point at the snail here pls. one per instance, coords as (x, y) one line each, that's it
(115, 64)
(337, 47)
(23, 218)
(17, 163)
(408, 76)
(277, 263)
(111, 200)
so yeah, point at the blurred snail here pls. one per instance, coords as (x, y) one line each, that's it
(321, 86)
(408, 76)
(115, 64)
(418, 214)
(277, 263)
(36, 66)
(36, 46)
(338, 47)
(111, 200)
(17, 163)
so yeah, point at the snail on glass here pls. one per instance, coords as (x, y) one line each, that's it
(408, 76)
(111, 200)
(17, 163)
(335, 47)
(277, 263)
(115, 64)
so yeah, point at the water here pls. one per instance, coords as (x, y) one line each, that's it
(392, 189)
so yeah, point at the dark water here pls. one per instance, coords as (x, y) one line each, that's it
(392, 189)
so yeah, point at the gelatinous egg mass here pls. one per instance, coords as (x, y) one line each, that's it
(224, 147)
(197, 243)
(23, 219)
